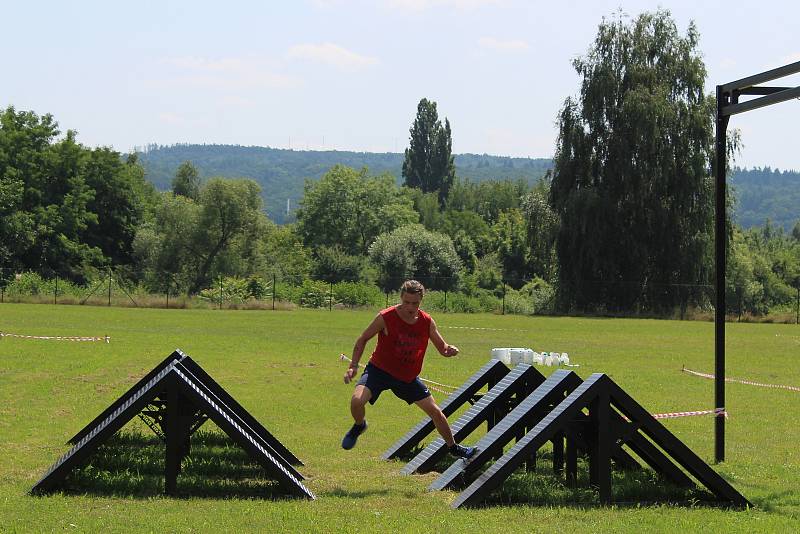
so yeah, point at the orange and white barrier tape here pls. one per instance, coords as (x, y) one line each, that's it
(718, 412)
(747, 382)
(431, 384)
(107, 339)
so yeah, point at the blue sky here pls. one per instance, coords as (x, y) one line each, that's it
(347, 75)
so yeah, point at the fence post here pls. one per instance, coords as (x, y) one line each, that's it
(55, 292)
(445, 301)
(274, 289)
(220, 293)
(504, 298)
(169, 280)
(330, 296)
(109, 286)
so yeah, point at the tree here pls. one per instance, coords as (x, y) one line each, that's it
(228, 208)
(428, 163)
(349, 209)
(542, 229)
(414, 252)
(631, 181)
(187, 181)
(511, 244)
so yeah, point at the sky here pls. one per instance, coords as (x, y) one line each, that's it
(347, 75)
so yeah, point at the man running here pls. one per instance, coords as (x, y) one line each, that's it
(403, 333)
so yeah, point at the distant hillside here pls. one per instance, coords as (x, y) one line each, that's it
(766, 194)
(282, 173)
(761, 193)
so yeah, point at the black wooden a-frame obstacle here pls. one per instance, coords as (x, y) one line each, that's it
(488, 375)
(179, 397)
(493, 405)
(614, 420)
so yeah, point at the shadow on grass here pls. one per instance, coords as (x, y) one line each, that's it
(131, 464)
(630, 488)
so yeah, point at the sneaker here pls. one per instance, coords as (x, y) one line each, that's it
(351, 437)
(463, 452)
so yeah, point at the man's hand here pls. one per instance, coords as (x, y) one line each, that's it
(350, 374)
(450, 350)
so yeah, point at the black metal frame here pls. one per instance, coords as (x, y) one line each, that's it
(182, 397)
(728, 104)
(488, 375)
(496, 403)
(614, 420)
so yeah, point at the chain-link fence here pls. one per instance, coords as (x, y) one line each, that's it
(126, 287)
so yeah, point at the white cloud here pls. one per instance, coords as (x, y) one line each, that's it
(227, 73)
(331, 54)
(514, 45)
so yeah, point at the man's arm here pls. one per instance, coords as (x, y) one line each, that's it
(441, 345)
(374, 327)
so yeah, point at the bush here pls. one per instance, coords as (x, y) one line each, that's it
(357, 294)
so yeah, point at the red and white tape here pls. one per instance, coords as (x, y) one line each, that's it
(735, 380)
(718, 412)
(107, 339)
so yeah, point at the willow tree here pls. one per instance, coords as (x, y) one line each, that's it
(632, 175)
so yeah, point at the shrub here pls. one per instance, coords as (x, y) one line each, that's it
(357, 294)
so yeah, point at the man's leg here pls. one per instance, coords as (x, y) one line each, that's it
(433, 411)
(360, 398)
(430, 407)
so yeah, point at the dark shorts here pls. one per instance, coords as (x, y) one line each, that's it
(377, 380)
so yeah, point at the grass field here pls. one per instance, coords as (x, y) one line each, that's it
(283, 367)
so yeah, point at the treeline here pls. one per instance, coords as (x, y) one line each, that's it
(281, 173)
(761, 194)
(766, 195)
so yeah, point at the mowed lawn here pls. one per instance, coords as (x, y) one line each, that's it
(283, 367)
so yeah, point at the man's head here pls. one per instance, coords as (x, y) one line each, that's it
(411, 293)
(413, 287)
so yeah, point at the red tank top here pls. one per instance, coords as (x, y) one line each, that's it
(401, 351)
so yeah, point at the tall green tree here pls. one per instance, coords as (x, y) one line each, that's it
(631, 182)
(349, 209)
(428, 163)
(187, 181)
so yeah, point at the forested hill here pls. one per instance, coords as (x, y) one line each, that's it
(282, 173)
(766, 194)
(761, 193)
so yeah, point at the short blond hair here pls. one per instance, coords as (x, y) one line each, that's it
(413, 287)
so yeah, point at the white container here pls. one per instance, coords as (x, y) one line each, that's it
(502, 354)
(527, 356)
(538, 359)
(517, 355)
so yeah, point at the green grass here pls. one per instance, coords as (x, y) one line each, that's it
(283, 367)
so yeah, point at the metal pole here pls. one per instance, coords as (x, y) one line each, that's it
(109, 286)
(55, 292)
(220, 292)
(720, 242)
(503, 312)
(445, 300)
(169, 279)
(797, 306)
(274, 289)
(330, 296)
